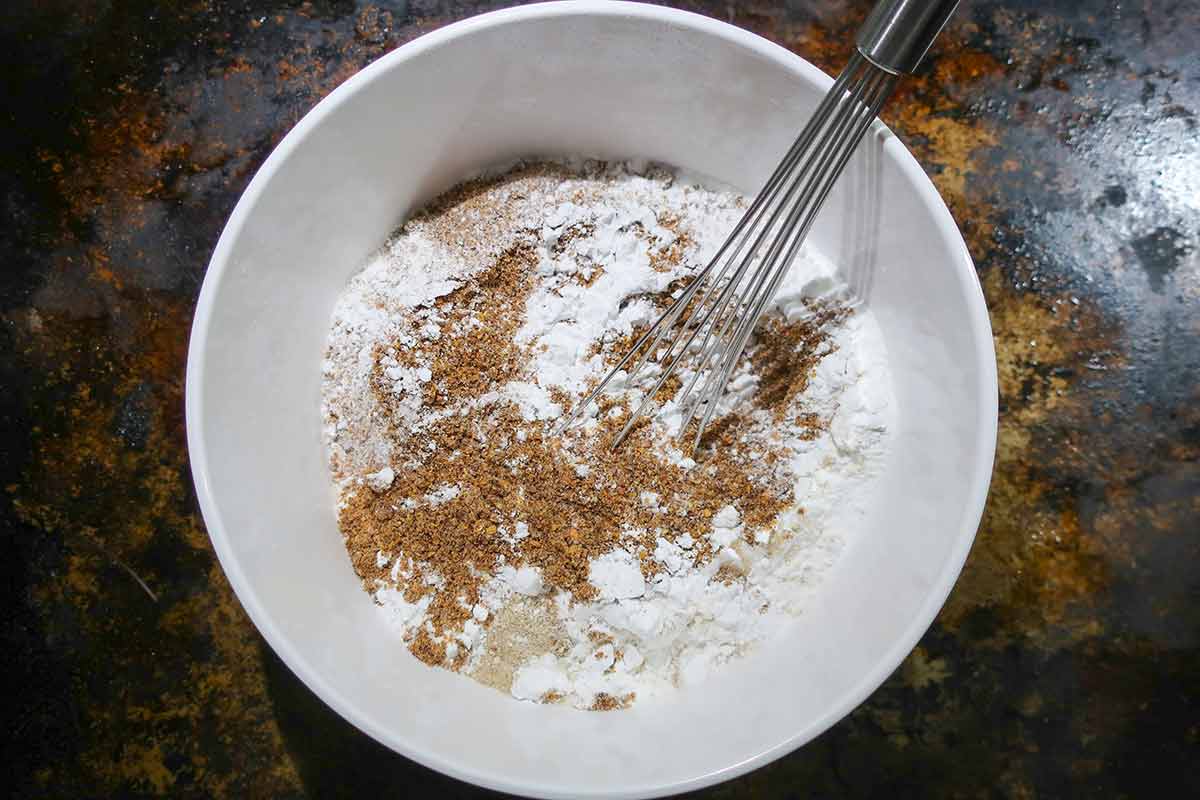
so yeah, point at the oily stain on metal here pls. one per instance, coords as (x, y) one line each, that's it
(1064, 143)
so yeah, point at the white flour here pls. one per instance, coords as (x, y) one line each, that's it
(639, 636)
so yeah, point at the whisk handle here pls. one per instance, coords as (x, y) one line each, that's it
(898, 33)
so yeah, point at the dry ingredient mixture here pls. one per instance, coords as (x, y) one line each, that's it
(547, 566)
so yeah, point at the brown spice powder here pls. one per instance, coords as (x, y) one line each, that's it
(789, 352)
(578, 499)
(664, 259)
(606, 702)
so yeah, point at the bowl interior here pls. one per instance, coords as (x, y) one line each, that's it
(613, 81)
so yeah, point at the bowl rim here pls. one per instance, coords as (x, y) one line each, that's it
(964, 272)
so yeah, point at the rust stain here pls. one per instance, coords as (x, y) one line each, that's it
(125, 514)
(921, 671)
(1032, 556)
(955, 144)
(957, 66)
(108, 483)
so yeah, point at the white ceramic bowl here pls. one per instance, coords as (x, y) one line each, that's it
(610, 80)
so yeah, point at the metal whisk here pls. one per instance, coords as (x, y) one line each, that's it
(708, 326)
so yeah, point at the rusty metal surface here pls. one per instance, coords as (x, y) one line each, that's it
(1063, 138)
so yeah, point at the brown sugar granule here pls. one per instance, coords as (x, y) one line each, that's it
(728, 573)
(809, 425)
(606, 702)
(664, 259)
(426, 649)
(599, 637)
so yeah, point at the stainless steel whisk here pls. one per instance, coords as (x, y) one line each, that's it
(709, 324)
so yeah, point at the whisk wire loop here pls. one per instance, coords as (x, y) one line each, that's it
(709, 324)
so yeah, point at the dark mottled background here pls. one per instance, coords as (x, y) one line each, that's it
(1062, 135)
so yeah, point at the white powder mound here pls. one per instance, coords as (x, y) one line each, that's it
(675, 629)
(411, 272)
(639, 636)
